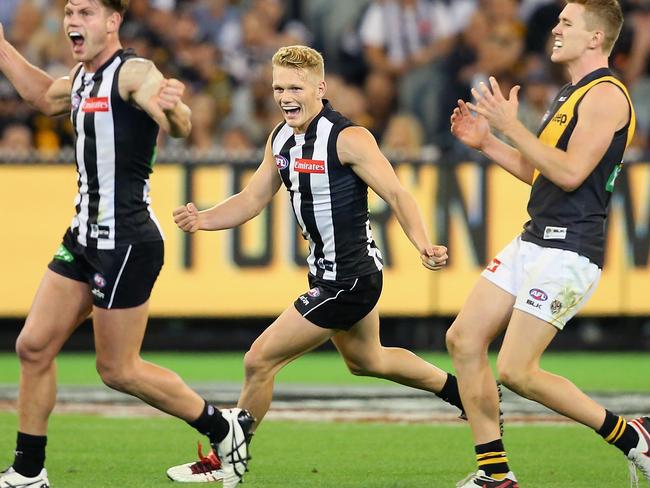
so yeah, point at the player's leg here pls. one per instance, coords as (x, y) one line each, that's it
(59, 306)
(364, 355)
(287, 338)
(483, 316)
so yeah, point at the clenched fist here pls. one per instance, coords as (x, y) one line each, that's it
(187, 218)
(434, 257)
(170, 93)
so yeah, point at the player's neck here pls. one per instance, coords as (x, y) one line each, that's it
(581, 67)
(98, 61)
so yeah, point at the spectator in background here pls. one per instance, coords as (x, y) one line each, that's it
(403, 42)
(16, 142)
(403, 138)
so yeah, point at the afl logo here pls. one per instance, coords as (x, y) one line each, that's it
(281, 162)
(538, 295)
(75, 102)
(100, 281)
(314, 292)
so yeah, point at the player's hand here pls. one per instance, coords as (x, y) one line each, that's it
(187, 218)
(501, 113)
(434, 257)
(471, 130)
(170, 93)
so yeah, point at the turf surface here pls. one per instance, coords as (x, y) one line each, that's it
(590, 371)
(87, 451)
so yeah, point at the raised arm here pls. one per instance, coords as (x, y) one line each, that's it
(357, 147)
(603, 111)
(141, 82)
(474, 132)
(35, 86)
(239, 208)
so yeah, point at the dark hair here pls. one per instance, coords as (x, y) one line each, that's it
(119, 6)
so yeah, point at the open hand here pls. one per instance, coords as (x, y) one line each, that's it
(187, 218)
(471, 130)
(501, 113)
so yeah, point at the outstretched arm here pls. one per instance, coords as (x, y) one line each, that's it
(238, 208)
(603, 111)
(35, 86)
(141, 82)
(358, 148)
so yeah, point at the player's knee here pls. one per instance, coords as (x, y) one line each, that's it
(513, 377)
(364, 366)
(255, 363)
(32, 352)
(114, 376)
(460, 343)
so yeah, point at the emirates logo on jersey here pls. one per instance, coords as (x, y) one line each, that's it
(309, 166)
(97, 104)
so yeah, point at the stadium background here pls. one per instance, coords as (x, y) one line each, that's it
(400, 78)
(401, 86)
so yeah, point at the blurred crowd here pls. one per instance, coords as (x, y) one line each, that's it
(395, 66)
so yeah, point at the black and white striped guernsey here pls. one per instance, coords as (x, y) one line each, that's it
(329, 200)
(115, 148)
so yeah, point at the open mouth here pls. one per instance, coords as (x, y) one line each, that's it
(76, 38)
(557, 44)
(291, 110)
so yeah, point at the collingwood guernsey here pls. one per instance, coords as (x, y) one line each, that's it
(329, 200)
(115, 150)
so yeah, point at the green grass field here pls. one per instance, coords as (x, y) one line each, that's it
(594, 372)
(97, 451)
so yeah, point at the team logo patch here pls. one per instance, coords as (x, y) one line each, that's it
(75, 101)
(99, 280)
(309, 166)
(538, 295)
(281, 162)
(325, 264)
(494, 264)
(96, 104)
(314, 292)
(556, 306)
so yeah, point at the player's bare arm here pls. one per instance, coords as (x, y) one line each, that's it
(602, 112)
(46, 94)
(239, 208)
(474, 131)
(358, 148)
(141, 82)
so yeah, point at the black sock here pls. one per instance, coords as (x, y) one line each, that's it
(30, 454)
(211, 423)
(449, 392)
(616, 431)
(492, 459)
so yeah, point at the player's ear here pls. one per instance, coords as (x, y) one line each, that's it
(322, 88)
(113, 23)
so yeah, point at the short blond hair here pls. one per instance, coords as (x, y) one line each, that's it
(606, 14)
(300, 57)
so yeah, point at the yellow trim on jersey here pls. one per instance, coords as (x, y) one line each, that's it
(558, 124)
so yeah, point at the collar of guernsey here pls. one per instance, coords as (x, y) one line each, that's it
(550, 133)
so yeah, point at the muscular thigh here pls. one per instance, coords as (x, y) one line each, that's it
(59, 306)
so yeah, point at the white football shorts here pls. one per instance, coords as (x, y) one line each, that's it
(551, 284)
